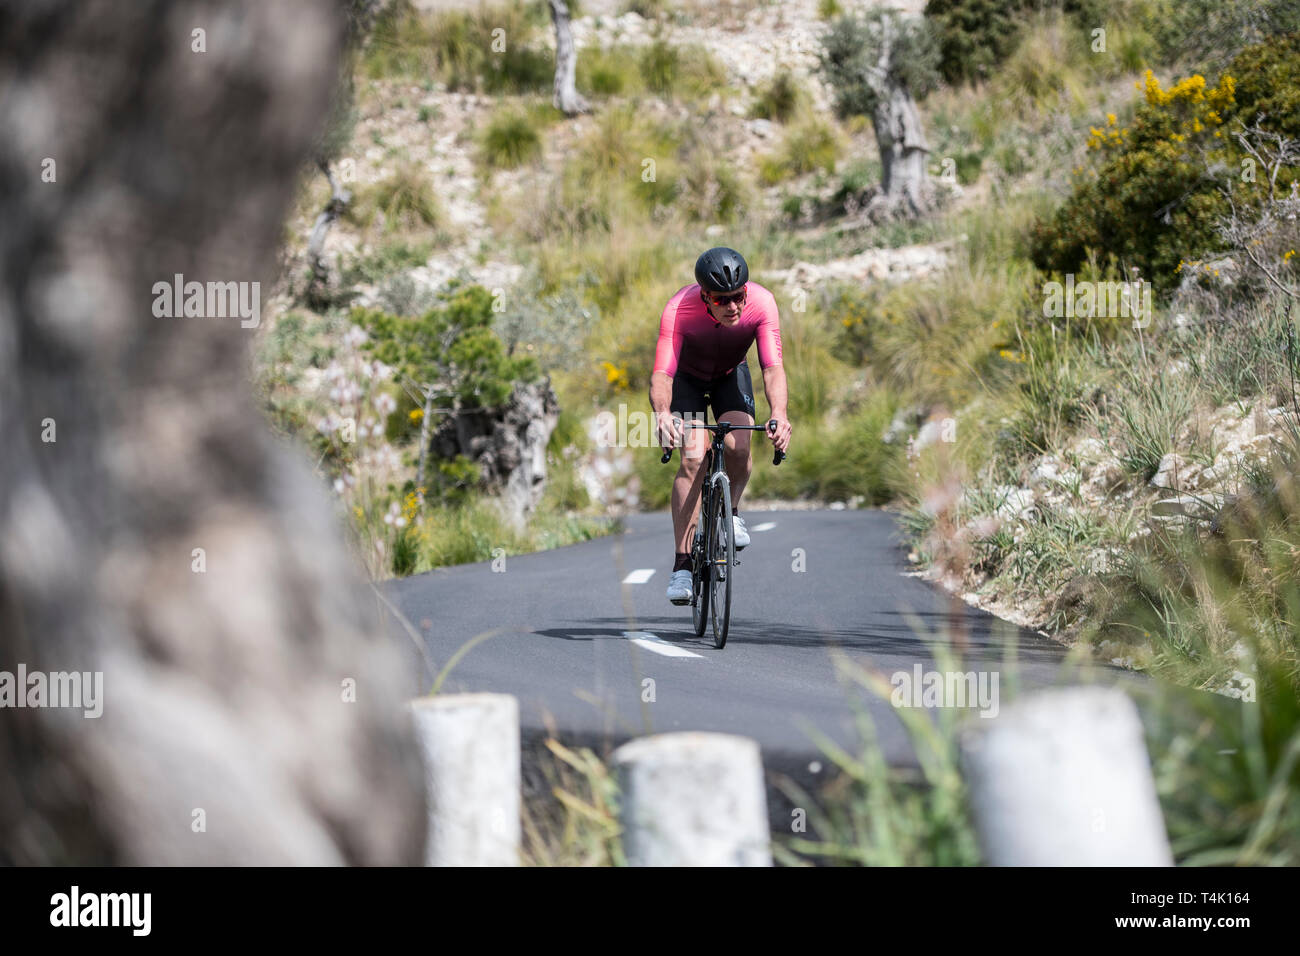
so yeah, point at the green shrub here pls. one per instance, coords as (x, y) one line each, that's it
(1142, 418)
(792, 206)
(659, 66)
(671, 70)
(552, 327)
(810, 146)
(511, 139)
(780, 99)
(452, 345)
(1245, 356)
(1136, 49)
(608, 71)
(1039, 68)
(974, 36)
(934, 340)
(406, 551)
(709, 190)
(1155, 194)
(455, 480)
(405, 198)
(456, 46)
(401, 43)
(626, 166)
(967, 166)
(389, 258)
(519, 70)
(1207, 34)
(618, 146)
(1268, 82)
(1058, 379)
(859, 175)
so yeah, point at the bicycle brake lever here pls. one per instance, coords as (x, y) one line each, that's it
(777, 456)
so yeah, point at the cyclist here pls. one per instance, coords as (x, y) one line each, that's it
(704, 334)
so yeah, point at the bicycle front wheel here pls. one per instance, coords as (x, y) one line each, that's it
(723, 564)
(701, 574)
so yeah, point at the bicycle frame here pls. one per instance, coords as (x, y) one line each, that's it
(715, 474)
(711, 567)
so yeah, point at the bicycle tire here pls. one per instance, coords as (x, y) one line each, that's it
(700, 574)
(723, 566)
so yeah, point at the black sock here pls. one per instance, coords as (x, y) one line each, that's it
(683, 562)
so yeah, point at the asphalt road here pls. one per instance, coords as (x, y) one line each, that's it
(576, 643)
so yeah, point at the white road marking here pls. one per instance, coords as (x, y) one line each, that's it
(639, 576)
(765, 526)
(657, 645)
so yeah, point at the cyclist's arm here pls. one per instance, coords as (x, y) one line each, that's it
(774, 387)
(769, 357)
(667, 351)
(661, 391)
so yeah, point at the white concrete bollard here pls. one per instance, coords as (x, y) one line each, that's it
(1062, 778)
(470, 744)
(693, 799)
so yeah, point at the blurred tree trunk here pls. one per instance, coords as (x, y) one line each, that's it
(905, 181)
(317, 295)
(335, 136)
(567, 99)
(252, 705)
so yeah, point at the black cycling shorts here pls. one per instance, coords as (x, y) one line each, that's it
(733, 392)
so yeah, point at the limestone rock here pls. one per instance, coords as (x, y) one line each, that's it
(508, 444)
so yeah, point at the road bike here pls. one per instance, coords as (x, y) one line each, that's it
(713, 553)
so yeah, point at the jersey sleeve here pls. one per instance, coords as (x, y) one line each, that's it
(769, 336)
(669, 348)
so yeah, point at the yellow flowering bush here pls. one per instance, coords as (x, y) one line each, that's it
(1154, 193)
(616, 375)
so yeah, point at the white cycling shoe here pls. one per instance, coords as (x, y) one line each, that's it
(679, 587)
(738, 532)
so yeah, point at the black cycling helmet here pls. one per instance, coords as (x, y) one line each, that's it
(721, 270)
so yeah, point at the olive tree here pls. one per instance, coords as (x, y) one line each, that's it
(877, 64)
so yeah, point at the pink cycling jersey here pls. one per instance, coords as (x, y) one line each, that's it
(692, 341)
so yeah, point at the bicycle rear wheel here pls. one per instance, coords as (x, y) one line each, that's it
(723, 562)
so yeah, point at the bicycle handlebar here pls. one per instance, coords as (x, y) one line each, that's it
(778, 456)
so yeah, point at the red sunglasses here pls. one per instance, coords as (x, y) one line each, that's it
(723, 299)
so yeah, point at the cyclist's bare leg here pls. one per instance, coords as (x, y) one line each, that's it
(739, 464)
(686, 487)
